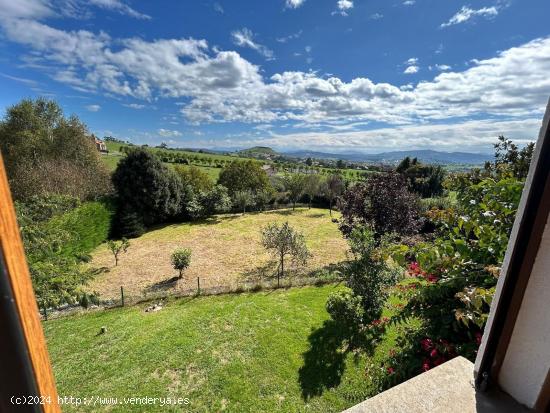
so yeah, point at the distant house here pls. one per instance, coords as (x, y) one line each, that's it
(269, 169)
(99, 144)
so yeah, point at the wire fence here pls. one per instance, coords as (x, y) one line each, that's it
(156, 297)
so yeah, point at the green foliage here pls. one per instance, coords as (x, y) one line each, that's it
(243, 199)
(147, 187)
(332, 187)
(89, 224)
(282, 241)
(56, 240)
(346, 309)
(118, 247)
(181, 259)
(241, 176)
(127, 223)
(312, 186)
(294, 185)
(368, 274)
(194, 177)
(47, 153)
(425, 180)
(455, 277)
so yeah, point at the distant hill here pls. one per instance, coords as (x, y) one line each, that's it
(426, 156)
(258, 151)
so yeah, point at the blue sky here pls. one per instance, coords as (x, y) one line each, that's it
(331, 75)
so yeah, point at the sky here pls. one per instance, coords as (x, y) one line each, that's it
(340, 76)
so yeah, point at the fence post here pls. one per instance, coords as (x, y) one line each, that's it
(198, 286)
(122, 295)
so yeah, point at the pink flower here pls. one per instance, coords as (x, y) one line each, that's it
(391, 370)
(427, 344)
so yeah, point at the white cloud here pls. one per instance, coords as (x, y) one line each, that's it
(25, 81)
(466, 13)
(409, 70)
(218, 8)
(412, 61)
(245, 38)
(93, 108)
(409, 3)
(292, 36)
(376, 16)
(221, 86)
(442, 68)
(294, 4)
(118, 6)
(26, 9)
(167, 133)
(470, 136)
(343, 6)
(133, 105)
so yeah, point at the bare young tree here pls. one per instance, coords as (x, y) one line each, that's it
(283, 241)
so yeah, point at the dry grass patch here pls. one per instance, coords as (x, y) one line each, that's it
(226, 251)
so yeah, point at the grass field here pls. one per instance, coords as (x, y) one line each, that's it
(226, 251)
(113, 157)
(254, 352)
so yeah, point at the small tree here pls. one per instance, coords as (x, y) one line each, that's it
(117, 247)
(333, 187)
(181, 259)
(311, 187)
(285, 241)
(294, 185)
(244, 199)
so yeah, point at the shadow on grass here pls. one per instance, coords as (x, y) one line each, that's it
(324, 362)
(163, 285)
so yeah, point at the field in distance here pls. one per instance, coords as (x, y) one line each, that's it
(226, 251)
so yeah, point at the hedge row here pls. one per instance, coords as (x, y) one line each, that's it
(89, 224)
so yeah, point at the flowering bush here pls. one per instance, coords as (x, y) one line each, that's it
(454, 278)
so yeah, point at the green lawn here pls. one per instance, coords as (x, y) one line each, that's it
(254, 352)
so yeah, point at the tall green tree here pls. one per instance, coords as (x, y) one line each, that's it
(244, 176)
(48, 153)
(295, 186)
(146, 186)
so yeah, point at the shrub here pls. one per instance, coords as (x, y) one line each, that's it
(382, 202)
(346, 308)
(181, 259)
(368, 274)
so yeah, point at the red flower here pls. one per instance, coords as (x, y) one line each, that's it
(434, 353)
(439, 361)
(432, 278)
(427, 344)
(478, 338)
(391, 370)
(426, 365)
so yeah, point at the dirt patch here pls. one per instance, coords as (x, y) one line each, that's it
(226, 251)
